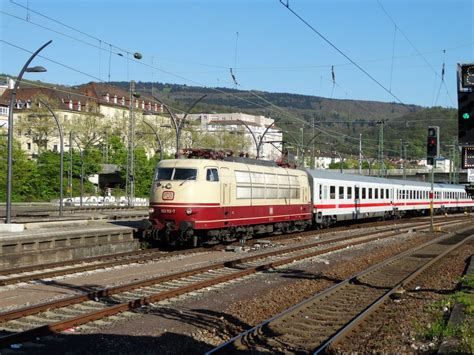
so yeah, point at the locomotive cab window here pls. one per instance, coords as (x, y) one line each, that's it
(212, 175)
(184, 174)
(163, 174)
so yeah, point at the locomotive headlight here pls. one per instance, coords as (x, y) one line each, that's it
(189, 211)
(151, 210)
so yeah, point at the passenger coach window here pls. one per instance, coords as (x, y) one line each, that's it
(357, 195)
(382, 194)
(332, 192)
(212, 175)
(363, 193)
(376, 193)
(349, 192)
(341, 192)
(386, 193)
(370, 193)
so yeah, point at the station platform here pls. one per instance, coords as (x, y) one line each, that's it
(63, 241)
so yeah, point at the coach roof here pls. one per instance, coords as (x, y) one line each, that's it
(332, 175)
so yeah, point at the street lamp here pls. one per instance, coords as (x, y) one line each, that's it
(157, 137)
(258, 143)
(178, 124)
(37, 69)
(61, 162)
(81, 152)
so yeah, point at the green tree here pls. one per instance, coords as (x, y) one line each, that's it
(23, 171)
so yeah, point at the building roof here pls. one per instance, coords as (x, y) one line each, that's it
(25, 93)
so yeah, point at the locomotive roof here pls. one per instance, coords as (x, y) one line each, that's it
(332, 175)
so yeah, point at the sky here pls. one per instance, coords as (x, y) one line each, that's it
(399, 46)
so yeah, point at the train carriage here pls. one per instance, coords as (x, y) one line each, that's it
(339, 197)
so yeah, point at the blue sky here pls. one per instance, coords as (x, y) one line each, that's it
(194, 42)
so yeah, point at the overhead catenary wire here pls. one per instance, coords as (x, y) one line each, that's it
(340, 51)
(416, 49)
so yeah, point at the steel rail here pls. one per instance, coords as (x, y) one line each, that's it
(371, 309)
(109, 261)
(326, 293)
(85, 318)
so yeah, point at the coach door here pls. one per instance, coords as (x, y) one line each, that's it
(356, 202)
(226, 180)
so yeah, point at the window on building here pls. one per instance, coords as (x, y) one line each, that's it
(28, 146)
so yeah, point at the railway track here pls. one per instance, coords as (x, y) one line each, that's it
(28, 323)
(38, 272)
(318, 324)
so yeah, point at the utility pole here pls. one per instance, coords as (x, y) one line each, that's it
(311, 165)
(302, 147)
(431, 199)
(455, 162)
(402, 165)
(381, 157)
(405, 144)
(360, 153)
(129, 182)
(70, 167)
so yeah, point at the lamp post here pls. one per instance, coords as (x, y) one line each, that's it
(37, 69)
(157, 138)
(81, 153)
(61, 162)
(178, 124)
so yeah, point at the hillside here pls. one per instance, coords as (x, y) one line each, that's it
(341, 120)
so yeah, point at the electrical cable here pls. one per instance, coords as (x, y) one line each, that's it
(341, 52)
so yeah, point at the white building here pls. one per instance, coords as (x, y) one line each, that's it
(324, 162)
(270, 148)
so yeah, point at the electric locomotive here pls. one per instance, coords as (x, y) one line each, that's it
(203, 200)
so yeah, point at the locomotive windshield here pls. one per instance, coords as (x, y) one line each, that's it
(175, 174)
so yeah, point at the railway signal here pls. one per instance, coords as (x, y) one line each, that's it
(466, 104)
(466, 112)
(432, 144)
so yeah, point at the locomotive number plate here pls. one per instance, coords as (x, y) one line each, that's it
(167, 195)
(168, 210)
